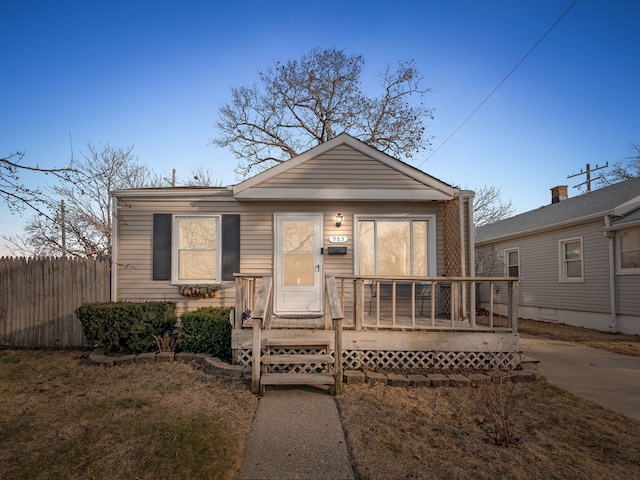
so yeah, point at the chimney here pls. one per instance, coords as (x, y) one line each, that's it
(559, 193)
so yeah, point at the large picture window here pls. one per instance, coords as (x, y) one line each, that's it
(629, 250)
(571, 260)
(399, 247)
(196, 249)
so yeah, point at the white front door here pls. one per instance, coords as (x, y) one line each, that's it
(298, 269)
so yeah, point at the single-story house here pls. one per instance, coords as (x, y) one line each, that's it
(340, 232)
(578, 258)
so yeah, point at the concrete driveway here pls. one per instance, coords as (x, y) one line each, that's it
(610, 379)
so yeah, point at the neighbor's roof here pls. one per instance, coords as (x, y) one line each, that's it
(584, 207)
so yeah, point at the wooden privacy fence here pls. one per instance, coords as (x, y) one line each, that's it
(39, 296)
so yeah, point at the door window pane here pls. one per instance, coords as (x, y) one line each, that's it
(393, 248)
(298, 259)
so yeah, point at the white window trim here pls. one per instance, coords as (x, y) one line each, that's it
(174, 250)
(432, 258)
(619, 269)
(506, 260)
(562, 273)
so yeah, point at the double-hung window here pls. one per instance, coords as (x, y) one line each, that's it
(571, 260)
(399, 247)
(196, 251)
(629, 250)
(512, 262)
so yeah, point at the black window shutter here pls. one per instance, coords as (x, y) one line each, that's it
(230, 246)
(162, 246)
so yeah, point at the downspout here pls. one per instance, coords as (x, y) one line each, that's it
(114, 249)
(613, 294)
(472, 258)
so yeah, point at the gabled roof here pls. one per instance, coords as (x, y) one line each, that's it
(343, 168)
(622, 200)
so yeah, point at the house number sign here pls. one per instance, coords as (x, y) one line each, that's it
(338, 239)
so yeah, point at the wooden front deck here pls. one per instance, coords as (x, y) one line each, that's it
(365, 328)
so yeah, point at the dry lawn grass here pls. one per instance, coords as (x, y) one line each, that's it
(61, 418)
(426, 433)
(447, 433)
(612, 342)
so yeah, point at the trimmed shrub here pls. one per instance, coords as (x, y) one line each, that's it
(126, 326)
(207, 330)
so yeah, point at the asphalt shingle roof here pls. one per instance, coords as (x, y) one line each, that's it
(596, 202)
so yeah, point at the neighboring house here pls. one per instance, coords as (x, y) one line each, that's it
(578, 258)
(343, 213)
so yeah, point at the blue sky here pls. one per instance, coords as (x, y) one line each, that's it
(153, 74)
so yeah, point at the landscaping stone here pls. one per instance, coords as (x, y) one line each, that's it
(234, 371)
(165, 357)
(200, 357)
(479, 378)
(100, 359)
(184, 357)
(457, 380)
(438, 380)
(146, 358)
(418, 381)
(529, 375)
(353, 376)
(124, 360)
(376, 377)
(397, 380)
(502, 376)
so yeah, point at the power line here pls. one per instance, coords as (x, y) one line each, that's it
(500, 84)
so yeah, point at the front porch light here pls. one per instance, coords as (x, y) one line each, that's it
(338, 219)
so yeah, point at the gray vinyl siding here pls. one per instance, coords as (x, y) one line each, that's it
(629, 294)
(343, 168)
(135, 232)
(540, 285)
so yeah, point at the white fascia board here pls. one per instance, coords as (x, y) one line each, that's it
(196, 194)
(335, 194)
(627, 207)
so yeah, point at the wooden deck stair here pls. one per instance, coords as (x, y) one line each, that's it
(272, 357)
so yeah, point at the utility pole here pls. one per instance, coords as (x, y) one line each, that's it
(588, 174)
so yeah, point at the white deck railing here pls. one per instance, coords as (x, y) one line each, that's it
(401, 303)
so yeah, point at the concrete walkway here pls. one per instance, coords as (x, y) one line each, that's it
(610, 379)
(296, 434)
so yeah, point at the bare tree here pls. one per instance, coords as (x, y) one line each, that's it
(302, 103)
(13, 190)
(77, 220)
(201, 176)
(625, 168)
(489, 207)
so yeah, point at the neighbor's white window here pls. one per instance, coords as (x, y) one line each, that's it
(196, 252)
(629, 250)
(400, 247)
(512, 262)
(571, 260)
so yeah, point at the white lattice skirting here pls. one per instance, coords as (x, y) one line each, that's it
(355, 359)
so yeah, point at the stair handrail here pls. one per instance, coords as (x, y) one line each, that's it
(335, 311)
